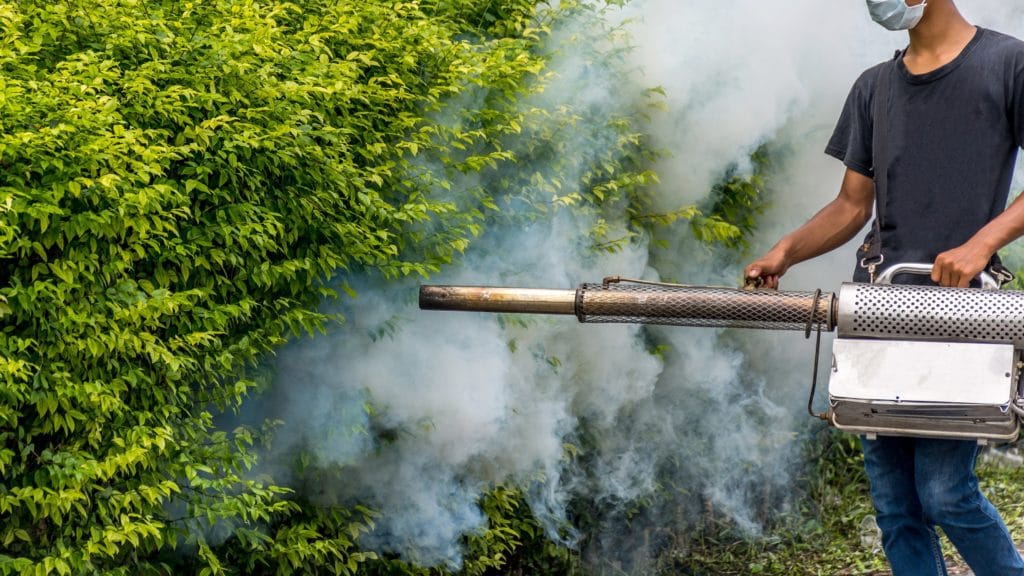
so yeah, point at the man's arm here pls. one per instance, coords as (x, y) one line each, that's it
(830, 228)
(957, 267)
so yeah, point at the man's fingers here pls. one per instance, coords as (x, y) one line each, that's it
(762, 273)
(952, 278)
(950, 275)
(755, 277)
(770, 282)
(943, 273)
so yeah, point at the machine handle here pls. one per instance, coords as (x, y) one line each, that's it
(987, 281)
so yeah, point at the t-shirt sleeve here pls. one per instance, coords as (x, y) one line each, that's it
(851, 139)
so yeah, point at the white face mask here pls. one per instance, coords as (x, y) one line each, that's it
(895, 14)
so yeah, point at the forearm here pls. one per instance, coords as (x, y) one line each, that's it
(830, 228)
(1002, 230)
(957, 266)
(827, 230)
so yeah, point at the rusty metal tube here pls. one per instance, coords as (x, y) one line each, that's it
(646, 303)
(498, 299)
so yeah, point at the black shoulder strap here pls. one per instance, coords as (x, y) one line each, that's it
(880, 159)
(880, 136)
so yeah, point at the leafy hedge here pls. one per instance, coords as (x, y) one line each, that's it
(178, 183)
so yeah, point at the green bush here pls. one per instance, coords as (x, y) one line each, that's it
(179, 181)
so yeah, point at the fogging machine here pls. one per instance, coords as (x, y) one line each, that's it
(907, 360)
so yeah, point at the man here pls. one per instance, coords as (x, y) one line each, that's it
(933, 135)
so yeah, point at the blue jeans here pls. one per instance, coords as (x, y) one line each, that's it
(919, 483)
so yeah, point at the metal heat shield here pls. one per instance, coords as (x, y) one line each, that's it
(929, 372)
(924, 389)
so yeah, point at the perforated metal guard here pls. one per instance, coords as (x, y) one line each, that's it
(931, 313)
(704, 306)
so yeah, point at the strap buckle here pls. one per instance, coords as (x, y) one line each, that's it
(872, 263)
(1001, 274)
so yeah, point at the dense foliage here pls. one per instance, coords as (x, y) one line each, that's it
(178, 181)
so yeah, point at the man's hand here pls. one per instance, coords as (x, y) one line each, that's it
(767, 269)
(957, 267)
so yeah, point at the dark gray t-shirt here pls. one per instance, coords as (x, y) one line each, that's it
(953, 137)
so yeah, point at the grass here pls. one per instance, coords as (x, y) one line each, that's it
(825, 537)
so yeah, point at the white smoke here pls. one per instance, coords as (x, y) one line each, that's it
(468, 401)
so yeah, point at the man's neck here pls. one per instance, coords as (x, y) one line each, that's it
(940, 36)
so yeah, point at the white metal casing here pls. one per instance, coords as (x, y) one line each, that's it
(924, 389)
(908, 371)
